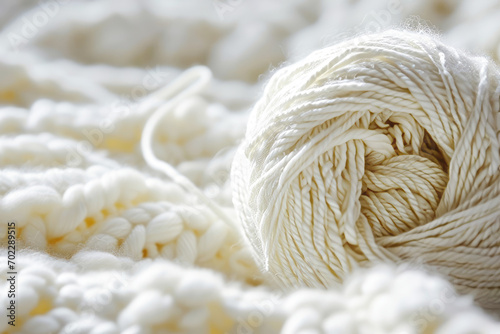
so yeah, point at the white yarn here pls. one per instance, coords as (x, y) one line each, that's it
(194, 79)
(381, 148)
(99, 293)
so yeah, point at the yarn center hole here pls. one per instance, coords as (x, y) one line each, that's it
(403, 190)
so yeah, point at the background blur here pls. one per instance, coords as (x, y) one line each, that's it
(74, 65)
(238, 39)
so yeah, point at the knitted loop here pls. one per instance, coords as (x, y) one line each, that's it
(189, 83)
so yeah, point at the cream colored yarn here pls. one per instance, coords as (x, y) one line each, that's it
(381, 148)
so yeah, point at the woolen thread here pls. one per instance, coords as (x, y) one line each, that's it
(383, 148)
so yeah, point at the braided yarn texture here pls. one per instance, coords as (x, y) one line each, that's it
(381, 148)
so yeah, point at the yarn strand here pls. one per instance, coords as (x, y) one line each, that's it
(189, 83)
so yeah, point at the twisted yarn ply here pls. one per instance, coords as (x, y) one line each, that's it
(380, 148)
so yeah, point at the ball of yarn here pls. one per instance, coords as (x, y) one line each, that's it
(381, 148)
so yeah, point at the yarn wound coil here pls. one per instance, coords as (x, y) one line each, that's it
(381, 148)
